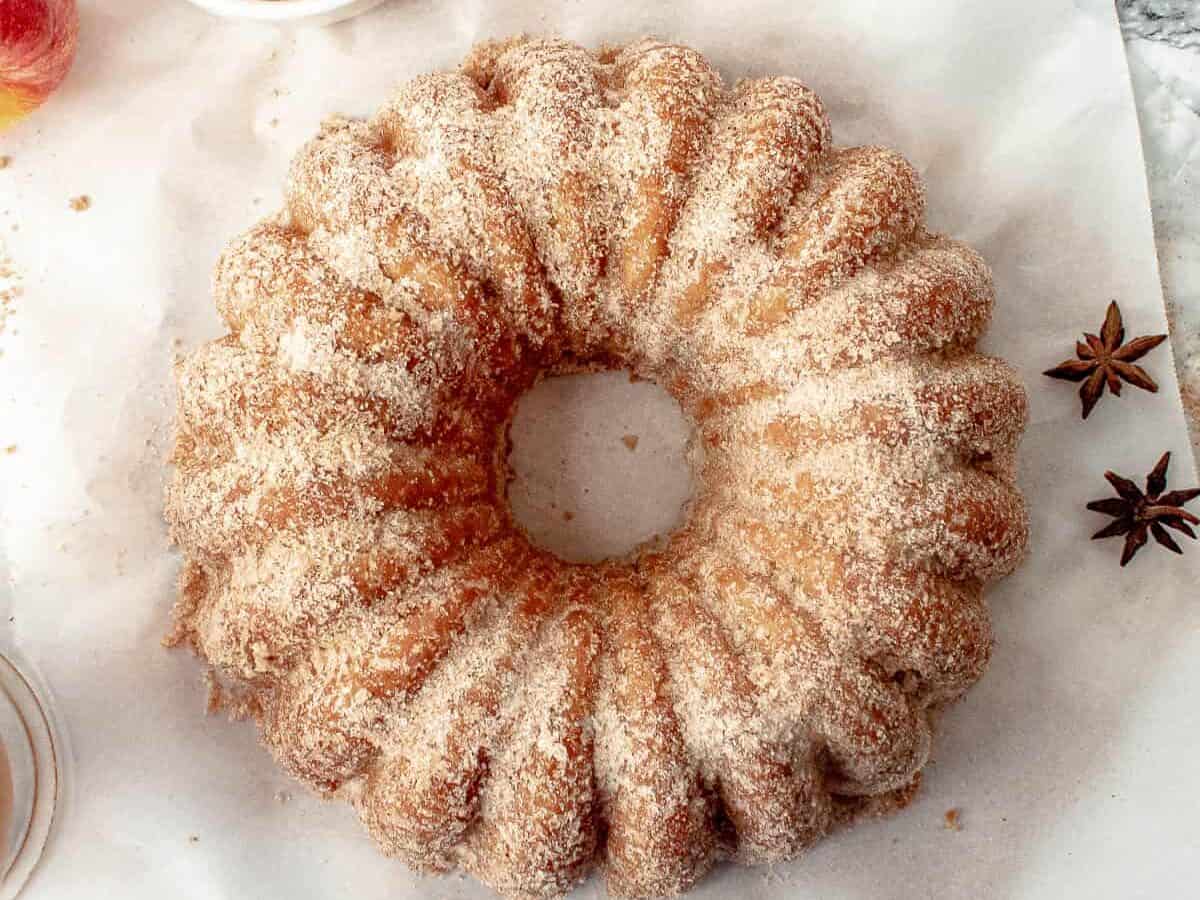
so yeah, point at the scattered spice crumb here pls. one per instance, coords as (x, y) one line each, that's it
(568, 515)
(630, 441)
(5, 162)
(216, 698)
(82, 203)
(1190, 391)
(193, 838)
(952, 821)
(10, 287)
(283, 796)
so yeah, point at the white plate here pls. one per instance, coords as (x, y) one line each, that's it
(311, 12)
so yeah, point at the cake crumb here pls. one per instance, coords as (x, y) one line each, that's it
(10, 449)
(952, 820)
(82, 203)
(630, 441)
(216, 696)
(10, 288)
(568, 515)
(5, 162)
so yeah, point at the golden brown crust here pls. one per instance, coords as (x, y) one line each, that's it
(353, 569)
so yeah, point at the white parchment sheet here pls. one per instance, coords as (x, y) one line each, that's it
(1074, 760)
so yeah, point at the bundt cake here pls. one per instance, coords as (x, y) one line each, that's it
(353, 572)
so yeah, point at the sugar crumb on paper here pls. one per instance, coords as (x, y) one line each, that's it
(10, 287)
(82, 203)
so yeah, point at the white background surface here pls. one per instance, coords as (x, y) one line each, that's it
(1073, 761)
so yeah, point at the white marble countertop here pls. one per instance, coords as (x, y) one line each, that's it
(1162, 39)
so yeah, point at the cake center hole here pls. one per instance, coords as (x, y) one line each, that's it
(599, 465)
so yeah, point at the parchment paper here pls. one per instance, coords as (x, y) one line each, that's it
(1073, 762)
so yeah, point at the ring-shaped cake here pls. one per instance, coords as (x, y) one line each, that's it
(353, 571)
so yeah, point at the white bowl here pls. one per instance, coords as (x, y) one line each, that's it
(311, 12)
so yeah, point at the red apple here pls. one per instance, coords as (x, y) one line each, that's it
(37, 45)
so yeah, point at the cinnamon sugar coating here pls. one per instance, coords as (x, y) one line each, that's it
(351, 564)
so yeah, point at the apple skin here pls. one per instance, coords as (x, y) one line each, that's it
(37, 46)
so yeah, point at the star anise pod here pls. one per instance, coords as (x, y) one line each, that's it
(1107, 360)
(1137, 513)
